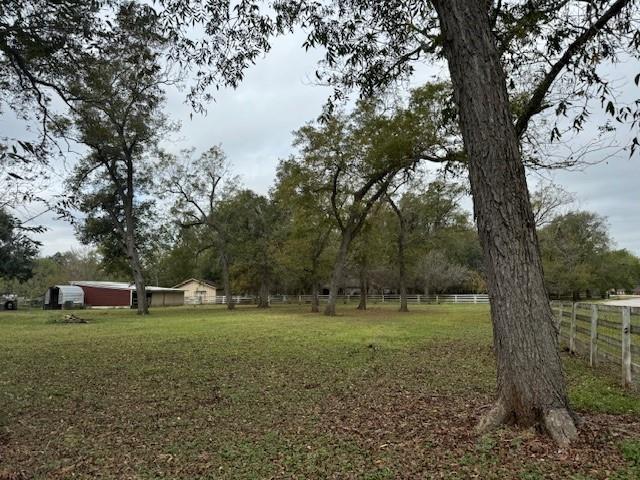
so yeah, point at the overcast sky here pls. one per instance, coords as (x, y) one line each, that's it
(254, 125)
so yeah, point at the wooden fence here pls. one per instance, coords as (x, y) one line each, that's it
(371, 299)
(603, 333)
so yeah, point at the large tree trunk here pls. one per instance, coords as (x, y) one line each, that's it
(315, 297)
(263, 294)
(338, 270)
(531, 385)
(364, 288)
(226, 281)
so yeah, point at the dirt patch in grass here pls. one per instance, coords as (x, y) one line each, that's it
(414, 435)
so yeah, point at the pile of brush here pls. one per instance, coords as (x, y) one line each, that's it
(71, 318)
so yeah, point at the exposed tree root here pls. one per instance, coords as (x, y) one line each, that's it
(496, 417)
(330, 310)
(560, 425)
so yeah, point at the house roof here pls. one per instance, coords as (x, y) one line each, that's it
(120, 286)
(197, 280)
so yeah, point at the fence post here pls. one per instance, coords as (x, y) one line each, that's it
(593, 357)
(383, 297)
(418, 299)
(626, 346)
(437, 299)
(572, 330)
(455, 299)
(475, 298)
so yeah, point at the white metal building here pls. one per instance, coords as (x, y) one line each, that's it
(59, 296)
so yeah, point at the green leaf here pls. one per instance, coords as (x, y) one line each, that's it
(610, 108)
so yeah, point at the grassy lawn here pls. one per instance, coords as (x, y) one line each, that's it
(203, 393)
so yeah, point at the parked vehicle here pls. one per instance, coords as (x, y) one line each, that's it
(9, 302)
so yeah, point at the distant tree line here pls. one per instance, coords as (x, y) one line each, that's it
(285, 243)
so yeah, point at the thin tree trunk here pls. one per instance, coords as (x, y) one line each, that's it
(132, 252)
(315, 298)
(226, 280)
(128, 232)
(402, 272)
(531, 385)
(315, 285)
(338, 270)
(138, 277)
(402, 268)
(364, 287)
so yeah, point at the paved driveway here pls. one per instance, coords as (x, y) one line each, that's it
(627, 302)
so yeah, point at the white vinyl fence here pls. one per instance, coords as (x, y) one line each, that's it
(371, 299)
(219, 300)
(604, 333)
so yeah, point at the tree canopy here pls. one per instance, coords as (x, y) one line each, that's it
(551, 50)
(17, 250)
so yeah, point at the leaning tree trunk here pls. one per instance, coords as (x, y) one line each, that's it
(226, 281)
(531, 385)
(364, 287)
(338, 269)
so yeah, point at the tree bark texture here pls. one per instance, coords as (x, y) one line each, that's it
(338, 270)
(315, 297)
(132, 253)
(138, 276)
(531, 385)
(226, 280)
(402, 273)
(364, 288)
(263, 294)
(402, 266)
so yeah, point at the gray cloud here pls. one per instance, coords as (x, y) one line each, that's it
(254, 125)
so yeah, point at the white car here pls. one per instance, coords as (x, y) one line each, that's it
(9, 302)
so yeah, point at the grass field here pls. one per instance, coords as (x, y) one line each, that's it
(203, 393)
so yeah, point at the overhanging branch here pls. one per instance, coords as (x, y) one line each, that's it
(534, 105)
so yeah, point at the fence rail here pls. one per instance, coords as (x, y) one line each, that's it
(372, 299)
(604, 333)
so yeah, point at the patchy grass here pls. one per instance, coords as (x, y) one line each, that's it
(204, 393)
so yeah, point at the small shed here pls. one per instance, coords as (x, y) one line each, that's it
(198, 291)
(61, 296)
